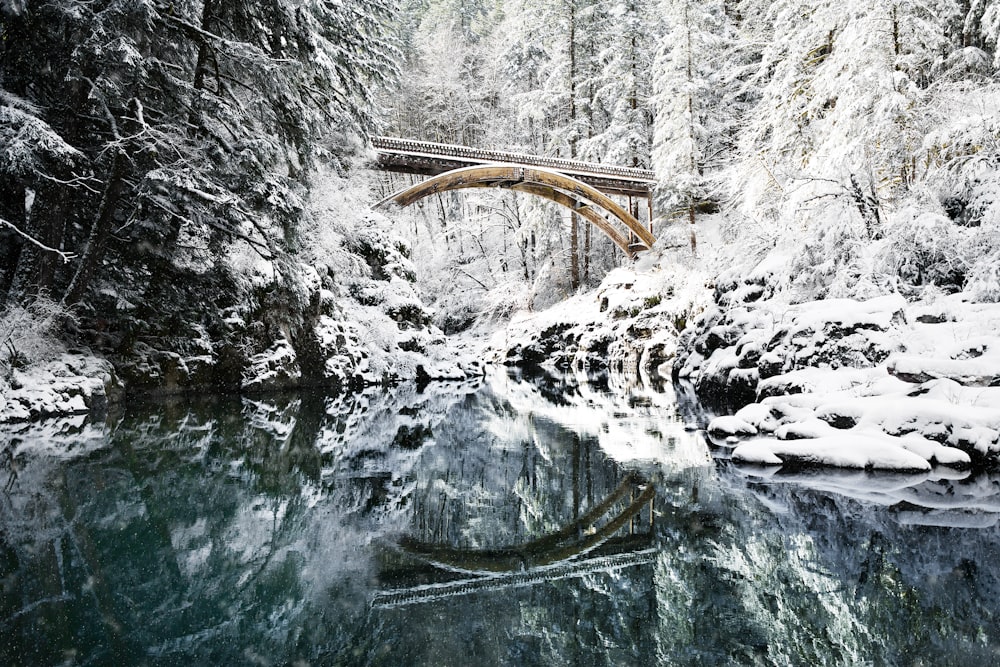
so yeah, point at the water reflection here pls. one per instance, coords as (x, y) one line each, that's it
(520, 521)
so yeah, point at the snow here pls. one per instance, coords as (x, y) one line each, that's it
(854, 450)
(872, 383)
(756, 452)
(274, 367)
(731, 425)
(627, 325)
(69, 383)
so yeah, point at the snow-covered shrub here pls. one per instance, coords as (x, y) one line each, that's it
(923, 248)
(28, 333)
(831, 255)
(983, 280)
(982, 246)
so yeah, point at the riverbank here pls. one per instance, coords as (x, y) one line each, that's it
(883, 383)
(72, 383)
(341, 313)
(82, 383)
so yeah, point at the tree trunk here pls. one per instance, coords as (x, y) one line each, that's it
(691, 128)
(574, 235)
(11, 246)
(49, 229)
(694, 239)
(201, 64)
(93, 252)
(574, 252)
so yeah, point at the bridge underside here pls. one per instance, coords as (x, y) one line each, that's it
(555, 186)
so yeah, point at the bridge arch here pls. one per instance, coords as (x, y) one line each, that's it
(579, 537)
(557, 187)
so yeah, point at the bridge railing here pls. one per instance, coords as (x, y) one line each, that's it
(429, 148)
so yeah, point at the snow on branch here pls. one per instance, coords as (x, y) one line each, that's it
(66, 256)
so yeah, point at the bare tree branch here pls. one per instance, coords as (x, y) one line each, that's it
(66, 256)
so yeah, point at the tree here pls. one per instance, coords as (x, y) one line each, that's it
(621, 124)
(158, 125)
(685, 97)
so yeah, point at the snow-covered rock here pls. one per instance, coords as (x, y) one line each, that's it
(629, 325)
(730, 425)
(71, 383)
(873, 384)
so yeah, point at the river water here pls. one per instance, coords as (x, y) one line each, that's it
(512, 521)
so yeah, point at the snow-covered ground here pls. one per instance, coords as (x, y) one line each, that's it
(881, 384)
(884, 383)
(628, 325)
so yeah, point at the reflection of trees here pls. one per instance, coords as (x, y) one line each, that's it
(792, 576)
(211, 530)
(745, 573)
(499, 476)
(245, 530)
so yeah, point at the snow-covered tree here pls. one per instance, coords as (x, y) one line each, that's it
(621, 126)
(686, 66)
(176, 126)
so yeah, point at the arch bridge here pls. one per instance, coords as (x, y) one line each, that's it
(586, 188)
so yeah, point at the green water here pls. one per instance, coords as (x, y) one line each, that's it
(509, 522)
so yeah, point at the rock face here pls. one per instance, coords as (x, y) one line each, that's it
(741, 348)
(629, 325)
(341, 324)
(342, 320)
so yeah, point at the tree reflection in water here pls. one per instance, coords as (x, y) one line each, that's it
(542, 521)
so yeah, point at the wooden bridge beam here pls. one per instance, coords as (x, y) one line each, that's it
(554, 186)
(431, 159)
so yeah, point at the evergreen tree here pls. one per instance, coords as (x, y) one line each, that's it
(685, 99)
(161, 125)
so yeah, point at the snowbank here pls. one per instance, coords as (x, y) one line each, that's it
(71, 383)
(880, 384)
(628, 325)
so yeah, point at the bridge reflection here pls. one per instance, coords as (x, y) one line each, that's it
(615, 533)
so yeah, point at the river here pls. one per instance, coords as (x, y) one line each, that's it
(513, 521)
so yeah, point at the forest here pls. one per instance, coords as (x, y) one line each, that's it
(187, 187)
(253, 412)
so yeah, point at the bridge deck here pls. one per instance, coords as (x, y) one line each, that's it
(430, 159)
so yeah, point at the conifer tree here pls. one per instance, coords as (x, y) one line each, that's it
(155, 122)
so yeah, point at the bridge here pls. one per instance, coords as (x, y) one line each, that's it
(572, 551)
(586, 188)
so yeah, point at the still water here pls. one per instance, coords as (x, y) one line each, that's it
(506, 522)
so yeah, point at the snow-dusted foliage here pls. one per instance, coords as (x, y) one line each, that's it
(688, 92)
(155, 163)
(854, 139)
(164, 188)
(28, 334)
(38, 376)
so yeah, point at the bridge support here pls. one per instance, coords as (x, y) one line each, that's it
(549, 184)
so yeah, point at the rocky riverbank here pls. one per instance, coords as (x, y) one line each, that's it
(342, 315)
(886, 383)
(878, 384)
(629, 325)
